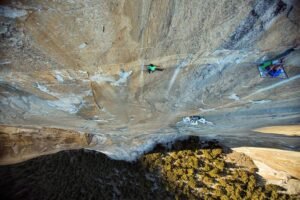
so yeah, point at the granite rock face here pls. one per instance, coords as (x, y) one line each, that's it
(78, 66)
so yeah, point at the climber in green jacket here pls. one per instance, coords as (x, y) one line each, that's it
(152, 68)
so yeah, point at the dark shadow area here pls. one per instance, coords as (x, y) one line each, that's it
(78, 174)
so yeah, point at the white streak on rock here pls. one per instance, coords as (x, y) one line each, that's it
(59, 76)
(71, 104)
(99, 78)
(274, 86)
(261, 101)
(207, 110)
(4, 62)
(82, 46)
(66, 102)
(233, 96)
(42, 88)
(9, 12)
(123, 78)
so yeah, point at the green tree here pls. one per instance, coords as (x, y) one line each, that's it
(207, 180)
(216, 152)
(220, 164)
(222, 182)
(243, 176)
(206, 154)
(224, 197)
(214, 172)
(274, 195)
(251, 183)
(206, 167)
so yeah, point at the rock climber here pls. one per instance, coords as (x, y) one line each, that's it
(273, 67)
(275, 70)
(152, 68)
